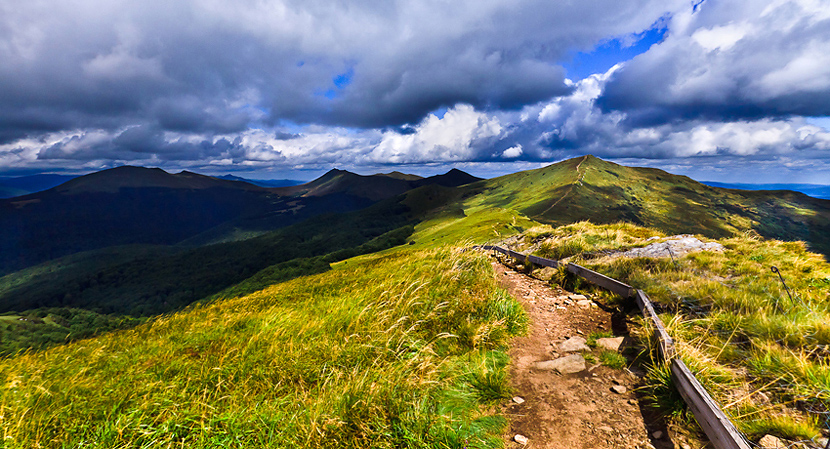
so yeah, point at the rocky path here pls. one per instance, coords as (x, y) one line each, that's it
(580, 404)
(578, 181)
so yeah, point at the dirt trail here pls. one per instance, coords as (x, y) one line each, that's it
(578, 180)
(578, 410)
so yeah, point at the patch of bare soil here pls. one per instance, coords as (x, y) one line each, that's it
(598, 407)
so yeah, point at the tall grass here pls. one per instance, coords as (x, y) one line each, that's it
(400, 350)
(736, 327)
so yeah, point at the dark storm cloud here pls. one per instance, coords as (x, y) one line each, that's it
(220, 67)
(730, 61)
(141, 143)
(485, 82)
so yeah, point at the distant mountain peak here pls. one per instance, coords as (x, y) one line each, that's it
(452, 178)
(398, 175)
(128, 176)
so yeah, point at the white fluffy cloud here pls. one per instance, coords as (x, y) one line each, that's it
(458, 136)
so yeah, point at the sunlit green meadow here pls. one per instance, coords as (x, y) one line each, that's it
(396, 350)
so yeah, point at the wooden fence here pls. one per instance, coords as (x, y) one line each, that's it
(717, 426)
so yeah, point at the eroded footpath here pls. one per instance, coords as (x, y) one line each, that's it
(562, 403)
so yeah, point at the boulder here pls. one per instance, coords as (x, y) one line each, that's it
(570, 364)
(611, 344)
(574, 344)
(771, 442)
(545, 274)
(619, 389)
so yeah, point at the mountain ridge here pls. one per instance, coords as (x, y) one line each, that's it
(137, 205)
(605, 192)
(128, 176)
(815, 190)
(375, 187)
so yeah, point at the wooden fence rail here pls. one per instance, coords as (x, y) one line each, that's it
(601, 280)
(665, 344)
(717, 426)
(541, 261)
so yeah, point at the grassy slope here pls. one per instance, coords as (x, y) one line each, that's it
(734, 323)
(147, 281)
(397, 349)
(604, 192)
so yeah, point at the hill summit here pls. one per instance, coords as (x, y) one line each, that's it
(114, 179)
(374, 187)
(589, 188)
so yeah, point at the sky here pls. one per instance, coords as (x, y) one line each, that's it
(732, 91)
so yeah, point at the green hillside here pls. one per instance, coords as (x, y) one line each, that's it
(399, 350)
(589, 188)
(145, 281)
(374, 328)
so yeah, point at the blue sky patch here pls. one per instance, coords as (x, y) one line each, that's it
(611, 52)
(344, 79)
(440, 112)
(340, 82)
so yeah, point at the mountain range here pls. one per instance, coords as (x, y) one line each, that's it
(262, 182)
(135, 205)
(135, 241)
(814, 190)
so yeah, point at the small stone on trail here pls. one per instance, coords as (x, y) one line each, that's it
(605, 429)
(771, 442)
(574, 344)
(521, 439)
(619, 389)
(657, 434)
(585, 303)
(611, 344)
(518, 400)
(564, 365)
(578, 297)
(546, 273)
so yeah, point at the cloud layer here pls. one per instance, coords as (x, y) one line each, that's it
(282, 83)
(731, 61)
